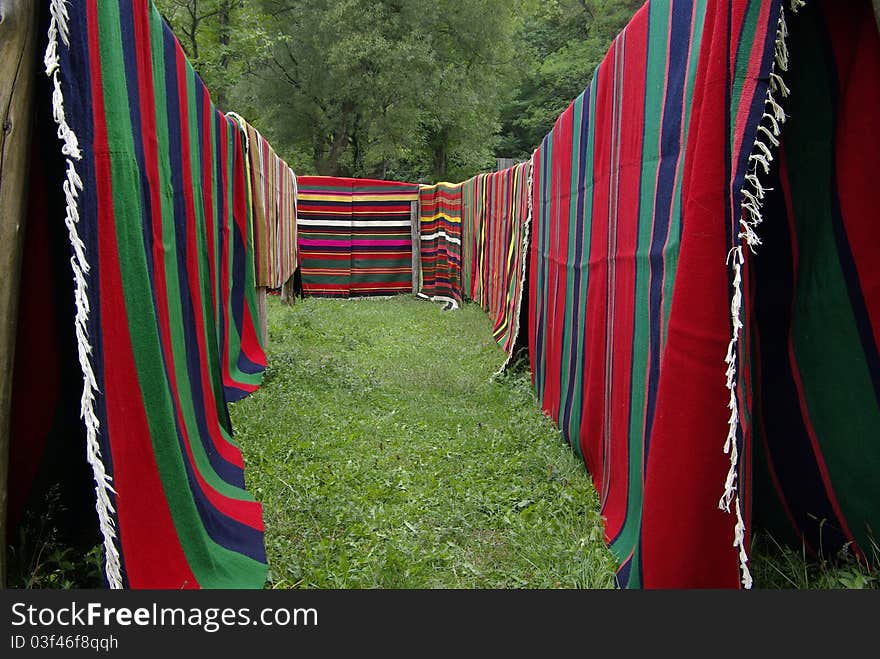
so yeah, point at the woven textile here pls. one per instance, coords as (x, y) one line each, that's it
(355, 236)
(495, 225)
(682, 226)
(635, 215)
(441, 241)
(273, 189)
(158, 211)
(813, 305)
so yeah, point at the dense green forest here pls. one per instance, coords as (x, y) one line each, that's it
(419, 90)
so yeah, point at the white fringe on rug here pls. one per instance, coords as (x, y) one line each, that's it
(73, 185)
(450, 302)
(752, 194)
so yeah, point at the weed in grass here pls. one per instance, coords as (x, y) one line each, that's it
(776, 566)
(40, 559)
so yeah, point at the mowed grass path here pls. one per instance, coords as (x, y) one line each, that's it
(384, 457)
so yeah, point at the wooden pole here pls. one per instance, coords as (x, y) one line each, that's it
(415, 224)
(287, 295)
(263, 314)
(18, 66)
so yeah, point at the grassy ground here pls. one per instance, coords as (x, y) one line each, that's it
(780, 567)
(384, 457)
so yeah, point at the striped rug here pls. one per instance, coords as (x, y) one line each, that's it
(273, 189)
(158, 211)
(495, 225)
(355, 236)
(812, 306)
(704, 293)
(441, 241)
(636, 213)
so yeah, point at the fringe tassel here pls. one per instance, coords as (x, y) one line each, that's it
(295, 202)
(451, 302)
(73, 185)
(753, 193)
(524, 270)
(242, 126)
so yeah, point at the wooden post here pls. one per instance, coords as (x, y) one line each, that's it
(416, 226)
(287, 295)
(18, 66)
(263, 314)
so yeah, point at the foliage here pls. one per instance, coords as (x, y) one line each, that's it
(420, 90)
(40, 558)
(222, 38)
(388, 89)
(385, 457)
(777, 566)
(379, 89)
(562, 43)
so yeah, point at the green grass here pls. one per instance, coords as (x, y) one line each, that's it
(37, 558)
(776, 566)
(385, 457)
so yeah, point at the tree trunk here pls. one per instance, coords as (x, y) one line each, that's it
(194, 28)
(441, 162)
(439, 142)
(224, 20)
(18, 59)
(329, 165)
(288, 294)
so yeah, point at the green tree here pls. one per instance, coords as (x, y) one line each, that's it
(405, 89)
(338, 78)
(563, 41)
(221, 37)
(472, 57)
(388, 88)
